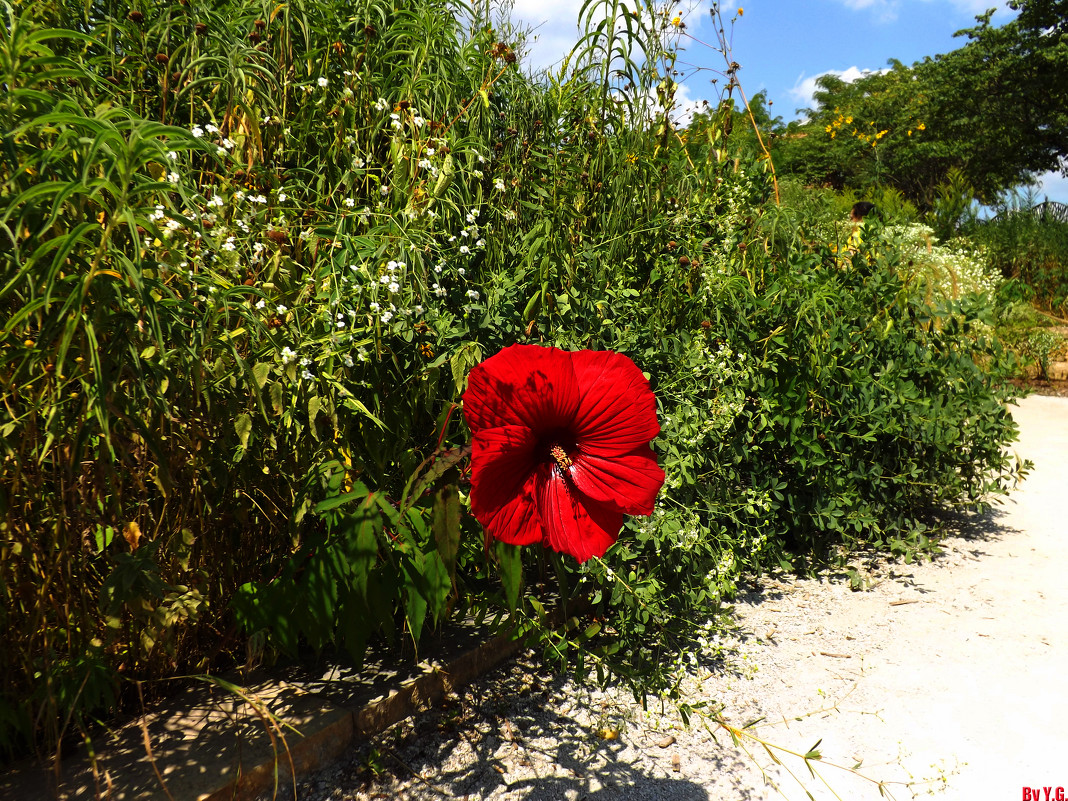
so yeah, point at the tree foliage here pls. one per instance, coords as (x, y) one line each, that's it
(995, 110)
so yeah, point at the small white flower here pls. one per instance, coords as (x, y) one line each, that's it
(425, 164)
(477, 173)
(228, 144)
(173, 177)
(430, 151)
(381, 104)
(386, 316)
(288, 355)
(464, 249)
(173, 225)
(306, 374)
(418, 309)
(349, 202)
(261, 199)
(481, 159)
(197, 131)
(498, 185)
(239, 195)
(220, 151)
(393, 287)
(216, 201)
(418, 121)
(172, 155)
(281, 308)
(211, 128)
(374, 307)
(480, 243)
(261, 303)
(304, 362)
(383, 190)
(361, 352)
(472, 294)
(347, 359)
(358, 163)
(461, 271)
(346, 92)
(396, 124)
(228, 245)
(322, 81)
(305, 234)
(282, 197)
(267, 119)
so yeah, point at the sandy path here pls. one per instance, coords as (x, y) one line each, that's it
(968, 681)
(945, 677)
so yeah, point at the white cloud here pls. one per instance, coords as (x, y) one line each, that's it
(889, 10)
(804, 88)
(553, 28)
(1052, 185)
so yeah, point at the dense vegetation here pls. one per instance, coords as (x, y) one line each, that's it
(250, 254)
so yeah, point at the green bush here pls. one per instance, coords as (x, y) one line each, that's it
(250, 255)
(1032, 248)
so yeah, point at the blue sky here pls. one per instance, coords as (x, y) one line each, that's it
(784, 45)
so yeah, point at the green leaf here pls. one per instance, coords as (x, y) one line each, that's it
(104, 535)
(510, 559)
(259, 373)
(447, 526)
(243, 426)
(314, 404)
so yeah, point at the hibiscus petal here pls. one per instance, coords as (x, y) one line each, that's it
(617, 410)
(574, 524)
(522, 385)
(629, 482)
(502, 461)
(517, 521)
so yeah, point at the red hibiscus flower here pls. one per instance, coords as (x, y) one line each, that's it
(560, 448)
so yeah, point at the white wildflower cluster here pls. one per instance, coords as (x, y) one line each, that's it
(949, 269)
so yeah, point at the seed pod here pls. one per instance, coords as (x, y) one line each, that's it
(276, 236)
(162, 58)
(200, 28)
(136, 16)
(254, 37)
(684, 261)
(260, 24)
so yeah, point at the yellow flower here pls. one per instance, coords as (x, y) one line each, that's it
(828, 129)
(921, 127)
(848, 120)
(741, 11)
(910, 133)
(677, 21)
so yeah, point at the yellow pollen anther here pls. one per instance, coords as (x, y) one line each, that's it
(560, 455)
